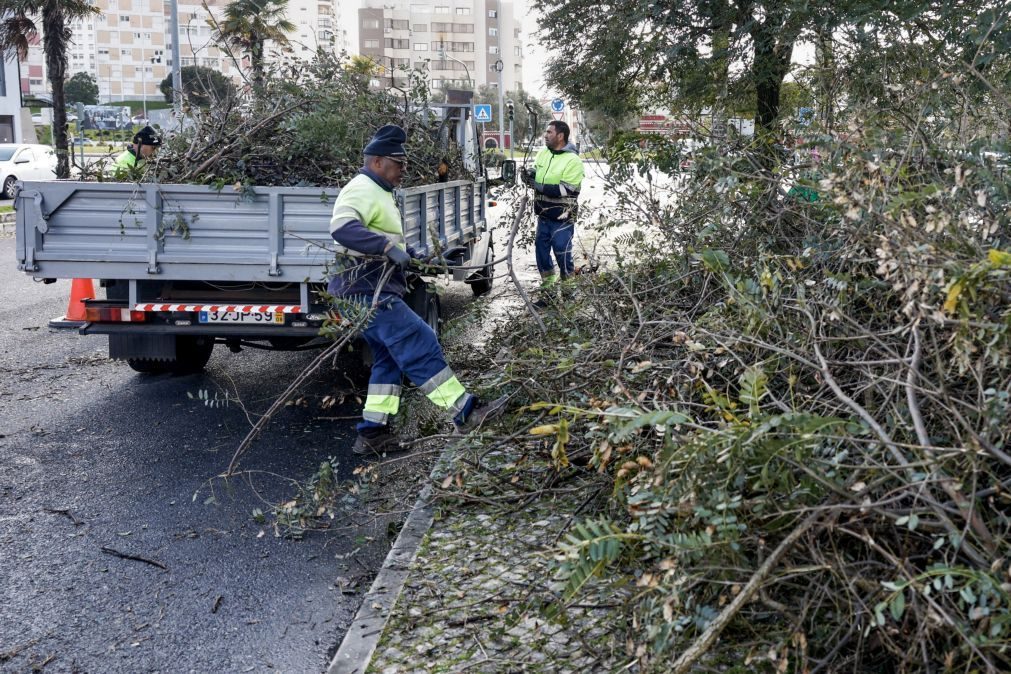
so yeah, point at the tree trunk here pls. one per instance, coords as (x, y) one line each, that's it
(772, 62)
(256, 63)
(825, 59)
(54, 45)
(721, 72)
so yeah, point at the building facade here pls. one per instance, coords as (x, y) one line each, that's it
(460, 43)
(11, 114)
(128, 50)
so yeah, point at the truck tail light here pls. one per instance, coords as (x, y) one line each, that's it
(113, 315)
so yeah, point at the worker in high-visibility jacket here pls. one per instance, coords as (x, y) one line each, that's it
(128, 165)
(366, 225)
(556, 178)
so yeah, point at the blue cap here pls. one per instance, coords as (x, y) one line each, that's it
(388, 142)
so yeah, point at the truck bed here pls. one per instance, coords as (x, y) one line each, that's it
(157, 232)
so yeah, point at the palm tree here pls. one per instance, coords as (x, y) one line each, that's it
(248, 24)
(19, 30)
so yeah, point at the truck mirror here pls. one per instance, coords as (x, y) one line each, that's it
(509, 171)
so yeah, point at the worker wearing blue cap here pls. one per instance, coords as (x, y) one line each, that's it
(366, 224)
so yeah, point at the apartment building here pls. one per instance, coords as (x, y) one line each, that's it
(458, 41)
(128, 50)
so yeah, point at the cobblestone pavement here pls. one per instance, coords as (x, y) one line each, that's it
(474, 598)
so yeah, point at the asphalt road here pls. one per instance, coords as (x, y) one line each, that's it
(95, 457)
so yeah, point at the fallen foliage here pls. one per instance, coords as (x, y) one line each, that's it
(798, 402)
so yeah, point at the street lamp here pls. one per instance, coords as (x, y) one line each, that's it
(444, 55)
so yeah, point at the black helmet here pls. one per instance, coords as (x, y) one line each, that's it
(147, 136)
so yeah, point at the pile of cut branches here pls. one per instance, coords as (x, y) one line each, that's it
(306, 126)
(801, 411)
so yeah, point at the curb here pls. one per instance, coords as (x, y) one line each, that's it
(359, 643)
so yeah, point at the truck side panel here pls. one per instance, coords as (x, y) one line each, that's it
(192, 232)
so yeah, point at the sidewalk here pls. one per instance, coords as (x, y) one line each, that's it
(477, 594)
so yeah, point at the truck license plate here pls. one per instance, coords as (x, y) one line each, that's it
(273, 317)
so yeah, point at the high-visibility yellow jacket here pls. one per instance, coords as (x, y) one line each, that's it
(557, 179)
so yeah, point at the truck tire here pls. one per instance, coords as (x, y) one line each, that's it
(481, 281)
(424, 301)
(192, 354)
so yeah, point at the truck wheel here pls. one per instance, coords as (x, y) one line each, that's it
(192, 354)
(424, 301)
(481, 281)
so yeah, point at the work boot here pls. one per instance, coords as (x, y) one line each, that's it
(377, 443)
(481, 413)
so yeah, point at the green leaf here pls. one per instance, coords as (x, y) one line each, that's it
(753, 386)
(715, 260)
(650, 419)
(898, 606)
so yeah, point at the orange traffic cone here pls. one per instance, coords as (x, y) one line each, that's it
(81, 289)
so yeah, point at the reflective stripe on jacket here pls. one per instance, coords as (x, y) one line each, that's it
(558, 178)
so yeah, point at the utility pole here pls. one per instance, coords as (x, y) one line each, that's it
(177, 73)
(499, 67)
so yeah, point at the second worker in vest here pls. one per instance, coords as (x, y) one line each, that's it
(556, 179)
(366, 225)
(131, 162)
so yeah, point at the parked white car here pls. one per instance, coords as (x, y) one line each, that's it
(25, 162)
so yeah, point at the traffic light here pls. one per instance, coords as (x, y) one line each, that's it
(509, 109)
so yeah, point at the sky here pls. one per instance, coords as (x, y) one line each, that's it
(534, 55)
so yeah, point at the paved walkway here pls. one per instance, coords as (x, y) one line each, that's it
(476, 595)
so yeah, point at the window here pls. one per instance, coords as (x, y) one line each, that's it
(438, 27)
(493, 49)
(420, 28)
(371, 44)
(440, 9)
(492, 13)
(420, 46)
(493, 32)
(463, 28)
(124, 18)
(124, 52)
(517, 51)
(397, 43)
(462, 11)
(370, 24)
(397, 24)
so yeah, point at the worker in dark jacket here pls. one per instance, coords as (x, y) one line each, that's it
(366, 225)
(556, 178)
(128, 164)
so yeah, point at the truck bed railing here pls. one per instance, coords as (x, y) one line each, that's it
(69, 229)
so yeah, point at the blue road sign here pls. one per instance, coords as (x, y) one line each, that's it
(557, 105)
(482, 112)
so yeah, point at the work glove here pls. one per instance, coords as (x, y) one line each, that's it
(399, 257)
(527, 175)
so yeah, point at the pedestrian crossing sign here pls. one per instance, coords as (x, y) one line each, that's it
(482, 112)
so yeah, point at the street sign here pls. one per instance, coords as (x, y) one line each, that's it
(557, 116)
(482, 112)
(557, 105)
